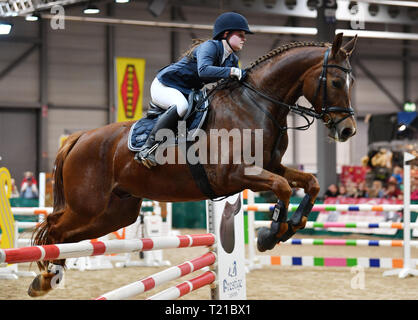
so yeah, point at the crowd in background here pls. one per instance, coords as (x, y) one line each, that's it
(28, 187)
(391, 188)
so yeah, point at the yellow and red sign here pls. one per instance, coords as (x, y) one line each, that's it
(130, 75)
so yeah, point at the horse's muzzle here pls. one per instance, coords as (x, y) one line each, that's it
(342, 133)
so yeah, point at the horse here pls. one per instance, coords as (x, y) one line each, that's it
(99, 187)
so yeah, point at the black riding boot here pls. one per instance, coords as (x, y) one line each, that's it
(168, 120)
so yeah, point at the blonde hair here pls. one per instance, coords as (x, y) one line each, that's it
(195, 43)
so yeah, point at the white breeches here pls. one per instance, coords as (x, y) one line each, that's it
(165, 97)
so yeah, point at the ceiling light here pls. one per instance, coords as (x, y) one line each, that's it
(121, 1)
(5, 28)
(91, 9)
(31, 17)
(402, 127)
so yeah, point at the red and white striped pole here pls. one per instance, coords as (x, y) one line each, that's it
(185, 287)
(88, 248)
(159, 278)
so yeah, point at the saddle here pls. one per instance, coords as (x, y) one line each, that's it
(194, 117)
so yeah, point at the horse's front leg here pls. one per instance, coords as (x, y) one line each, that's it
(264, 181)
(311, 187)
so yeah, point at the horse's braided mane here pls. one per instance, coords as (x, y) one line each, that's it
(225, 83)
(285, 48)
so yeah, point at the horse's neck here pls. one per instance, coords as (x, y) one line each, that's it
(283, 76)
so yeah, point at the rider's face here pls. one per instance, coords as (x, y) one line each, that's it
(236, 39)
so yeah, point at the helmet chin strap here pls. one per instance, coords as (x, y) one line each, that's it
(229, 45)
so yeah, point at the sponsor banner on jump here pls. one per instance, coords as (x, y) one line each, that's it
(230, 248)
(361, 216)
(130, 75)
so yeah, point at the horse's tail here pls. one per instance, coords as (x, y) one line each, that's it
(41, 233)
(59, 199)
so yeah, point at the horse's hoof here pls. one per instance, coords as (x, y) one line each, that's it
(39, 286)
(266, 240)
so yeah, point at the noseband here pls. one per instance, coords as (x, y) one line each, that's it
(303, 111)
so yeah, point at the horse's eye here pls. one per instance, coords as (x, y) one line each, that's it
(337, 84)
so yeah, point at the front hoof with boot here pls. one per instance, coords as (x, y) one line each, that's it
(267, 238)
(298, 220)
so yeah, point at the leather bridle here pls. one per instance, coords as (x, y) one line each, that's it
(303, 111)
(326, 110)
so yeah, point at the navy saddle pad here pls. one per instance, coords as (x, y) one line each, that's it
(141, 129)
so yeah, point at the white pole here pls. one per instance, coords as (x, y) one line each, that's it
(408, 268)
(42, 189)
(406, 215)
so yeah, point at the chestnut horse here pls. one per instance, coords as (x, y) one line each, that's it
(99, 186)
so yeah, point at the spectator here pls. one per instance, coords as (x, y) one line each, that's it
(342, 191)
(332, 191)
(351, 190)
(397, 174)
(376, 191)
(29, 188)
(362, 190)
(393, 191)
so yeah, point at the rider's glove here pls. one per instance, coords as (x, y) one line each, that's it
(236, 72)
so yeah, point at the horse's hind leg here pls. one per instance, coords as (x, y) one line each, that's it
(120, 213)
(53, 231)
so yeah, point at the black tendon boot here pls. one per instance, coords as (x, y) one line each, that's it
(168, 120)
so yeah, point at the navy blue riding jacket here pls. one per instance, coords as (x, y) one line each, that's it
(205, 67)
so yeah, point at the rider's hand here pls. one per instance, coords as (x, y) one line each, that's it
(236, 72)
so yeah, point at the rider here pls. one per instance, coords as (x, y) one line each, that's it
(204, 63)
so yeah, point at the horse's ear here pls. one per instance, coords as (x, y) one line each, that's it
(350, 46)
(336, 45)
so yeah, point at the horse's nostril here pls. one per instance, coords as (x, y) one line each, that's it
(347, 132)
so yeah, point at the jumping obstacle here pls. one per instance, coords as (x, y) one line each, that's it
(186, 287)
(227, 275)
(269, 207)
(312, 261)
(151, 282)
(9, 227)
(403, 267)
(225, 259)
(348, 242)
(326, 225)
(148, 224)
(95, 248)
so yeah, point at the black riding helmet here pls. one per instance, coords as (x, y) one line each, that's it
(229, 21)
